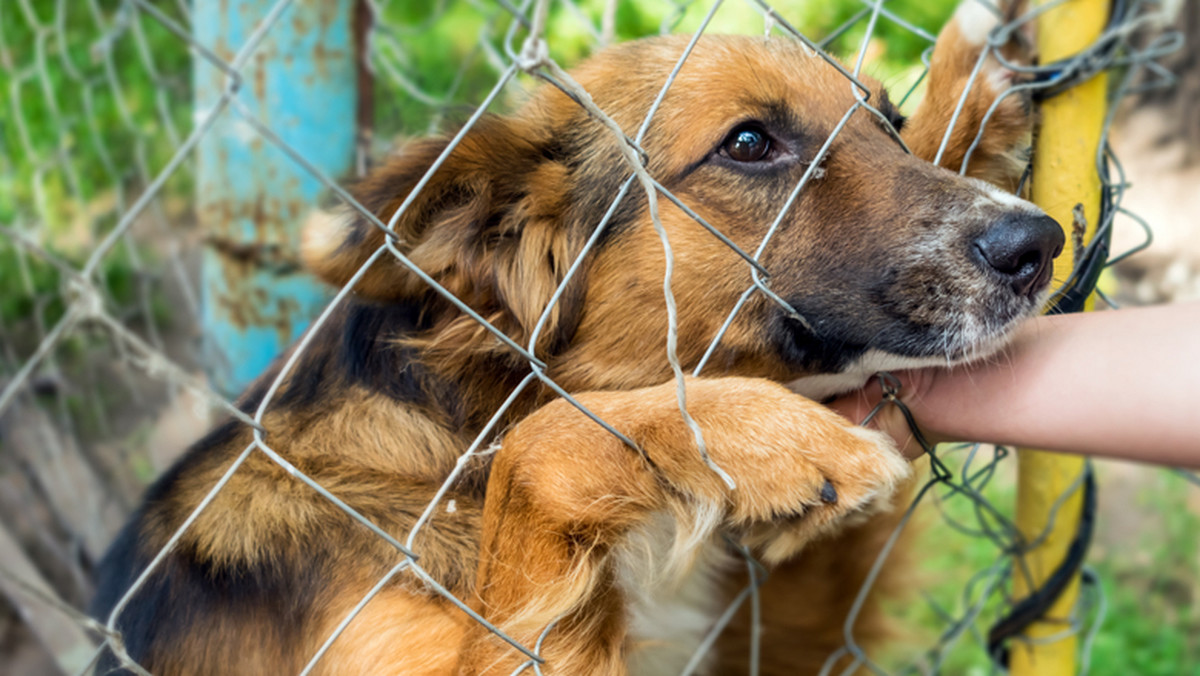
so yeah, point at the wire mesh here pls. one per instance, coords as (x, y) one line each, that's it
(100, 317)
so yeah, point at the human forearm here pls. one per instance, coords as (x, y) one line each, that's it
(1115, 384)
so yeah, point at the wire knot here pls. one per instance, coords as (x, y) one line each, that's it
(85, 299)
(534, 54)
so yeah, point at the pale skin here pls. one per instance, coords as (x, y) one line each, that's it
(1118, 384)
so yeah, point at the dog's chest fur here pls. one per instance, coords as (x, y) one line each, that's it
(673, 597)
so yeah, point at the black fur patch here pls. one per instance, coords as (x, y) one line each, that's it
(883, 103)
(370, 357)
(185, 597)
(359, 347)
(809, 352)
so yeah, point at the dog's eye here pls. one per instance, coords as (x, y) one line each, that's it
(747, 143)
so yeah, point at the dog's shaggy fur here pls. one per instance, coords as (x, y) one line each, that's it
(560, 524)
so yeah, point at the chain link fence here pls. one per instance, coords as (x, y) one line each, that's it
(102, 352)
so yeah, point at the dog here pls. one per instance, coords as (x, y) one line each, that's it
(606, 557)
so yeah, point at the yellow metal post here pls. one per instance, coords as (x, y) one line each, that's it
(1064, 175)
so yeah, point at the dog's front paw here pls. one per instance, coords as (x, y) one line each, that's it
(862, 471)
(974, 53)
(800, 470)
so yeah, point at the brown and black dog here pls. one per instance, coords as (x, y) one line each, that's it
(606, 558)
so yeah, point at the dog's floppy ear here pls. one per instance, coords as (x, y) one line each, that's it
(489, 226)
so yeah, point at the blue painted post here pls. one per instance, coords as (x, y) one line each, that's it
(251, 198)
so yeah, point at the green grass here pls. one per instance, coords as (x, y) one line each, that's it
(960, 583)
(1152, 626)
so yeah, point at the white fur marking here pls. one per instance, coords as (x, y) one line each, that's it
(669, 615)
(323, 233)
(975, 21)
(858, 373)
(1007, 199)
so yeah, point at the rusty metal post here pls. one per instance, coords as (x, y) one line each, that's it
(301, 82)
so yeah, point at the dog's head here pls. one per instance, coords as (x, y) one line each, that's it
(882, 260)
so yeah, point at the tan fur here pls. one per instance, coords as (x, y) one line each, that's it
(386, 399)
(533, 575)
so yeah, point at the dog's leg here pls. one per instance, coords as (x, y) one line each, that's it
(811, 595)
(1003, 150)
(564, 494)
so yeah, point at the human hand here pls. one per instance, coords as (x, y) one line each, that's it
(1075, 383)
(907, 388)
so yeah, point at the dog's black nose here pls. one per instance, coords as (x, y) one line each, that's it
(1020, 248)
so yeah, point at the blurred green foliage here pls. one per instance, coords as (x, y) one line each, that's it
(94, 97)
(94, 100)
(442, 46)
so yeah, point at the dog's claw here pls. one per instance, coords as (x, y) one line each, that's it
(829, 493)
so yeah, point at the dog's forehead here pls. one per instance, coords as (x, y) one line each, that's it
(725, 80)
(779, 67)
